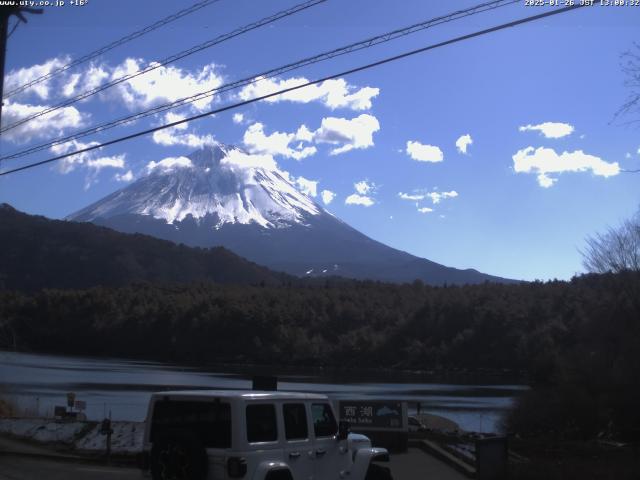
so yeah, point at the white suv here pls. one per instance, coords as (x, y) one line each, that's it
(197, 435)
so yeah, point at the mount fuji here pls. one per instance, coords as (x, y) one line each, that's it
(222, 196)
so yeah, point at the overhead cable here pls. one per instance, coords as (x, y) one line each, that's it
(367, 43)
(178, 56)
(298, 87)
(96, 53)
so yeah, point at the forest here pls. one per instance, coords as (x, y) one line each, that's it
(577, 342)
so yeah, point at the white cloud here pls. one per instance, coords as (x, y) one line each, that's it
(65, 84)
(94, 76)
(171, 117)
(309, 187)
(627, 155)
(545, 181)
(49, 125)
(106, 162)
(277, 143)
(327, 196)
(356, 133)
(345, 134)
(550, 129)
(169, 164)
(172, 136)
(163, 84)
(124, 177)
(336, 93)
(70, 86)
(363, 187)
(245, 160)
(355, 199)
(425, 210)
(238, 118)
(168, 137)
(424, 153)
(544, 161)
(21, 76)
(436, 197)
(90, 159)
(411, 196)
(463, 143)
(304, 134)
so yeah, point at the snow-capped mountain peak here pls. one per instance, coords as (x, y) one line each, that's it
(220, 181)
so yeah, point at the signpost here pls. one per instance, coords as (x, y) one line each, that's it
(383, 421)
(105, 429)
(372, 414)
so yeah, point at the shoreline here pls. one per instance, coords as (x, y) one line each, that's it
(435, 374)
(437, 422)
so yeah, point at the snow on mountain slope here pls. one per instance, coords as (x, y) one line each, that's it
(221, 196)
(221, 181)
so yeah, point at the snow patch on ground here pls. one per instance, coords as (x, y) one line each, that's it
(127, 437)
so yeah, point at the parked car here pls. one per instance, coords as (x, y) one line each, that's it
(197, 435)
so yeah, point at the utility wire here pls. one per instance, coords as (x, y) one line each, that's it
(369, 42)
(297, 87)
(15, 25)
(89, 56)
(178, 56)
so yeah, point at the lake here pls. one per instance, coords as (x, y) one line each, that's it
(122, 387)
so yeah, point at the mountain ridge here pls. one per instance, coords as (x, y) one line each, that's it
(37, 252)
(222, 196)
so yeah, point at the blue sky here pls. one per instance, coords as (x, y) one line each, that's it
(542, 171)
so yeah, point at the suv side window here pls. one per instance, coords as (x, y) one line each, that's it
(210, 420)
(261, 423)
(324, 423)
(295, 421)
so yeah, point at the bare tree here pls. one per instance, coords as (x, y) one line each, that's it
(616, 250)
(630, 65)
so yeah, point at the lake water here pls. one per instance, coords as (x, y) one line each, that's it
(39, 382)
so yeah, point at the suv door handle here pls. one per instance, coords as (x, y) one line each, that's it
(320, 452)
(294, 454)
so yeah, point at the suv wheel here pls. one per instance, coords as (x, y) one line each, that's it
(378, 472)
(178, 457)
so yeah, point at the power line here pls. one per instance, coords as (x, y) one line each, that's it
(15, 25)
(96, 53)
(178, 56)
(367, 43)
(297, 87)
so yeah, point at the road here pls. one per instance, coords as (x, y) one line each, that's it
(21, 460)
(417, 465)
(413, 465)
(20, 467)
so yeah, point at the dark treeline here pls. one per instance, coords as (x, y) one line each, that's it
(412, 326)
(355, 324)
(578, 341)
(36, 253)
